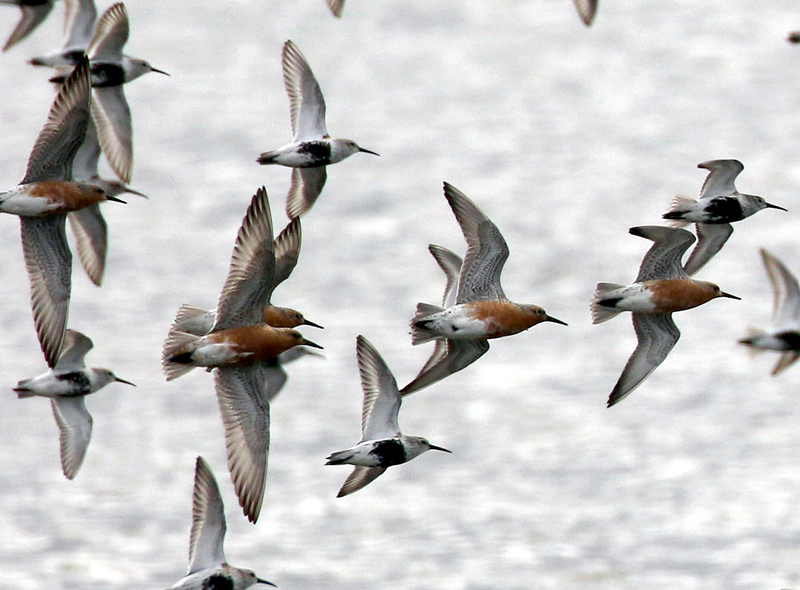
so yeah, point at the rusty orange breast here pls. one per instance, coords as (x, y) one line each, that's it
(254, 343)
(671, 295)
(503, 318)
(66, 196)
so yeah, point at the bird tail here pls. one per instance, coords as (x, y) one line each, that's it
(680, 206)
(177, 354)
(602, 305)
(267, 158)
(419, 325)
(340, 457)
(190, 319)
(22, 389)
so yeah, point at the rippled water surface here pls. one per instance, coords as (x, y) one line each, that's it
(565, 137)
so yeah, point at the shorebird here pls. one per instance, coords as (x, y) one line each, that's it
(208, 569)
(382, 444)
(239, 348)
(111, 69)
(79, 17)
(88, 224)
(33, 14)
(719, 205)
(66, 385)
(286, 248)
(784, 335)
(311, 149)
(586, 10)
(43, 199)
(661, 288)
(336, 6)
(481, 310)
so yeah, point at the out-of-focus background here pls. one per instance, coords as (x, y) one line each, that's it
(566, 137)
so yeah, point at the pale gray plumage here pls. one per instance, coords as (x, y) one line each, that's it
(33, 14)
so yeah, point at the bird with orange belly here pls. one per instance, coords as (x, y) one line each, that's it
(662, 288)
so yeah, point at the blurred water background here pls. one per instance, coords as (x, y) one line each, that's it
(565, 137)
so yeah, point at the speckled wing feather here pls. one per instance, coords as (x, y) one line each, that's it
(208, 521)
(91, 238)
(306, 104)
(487, 251)
(458, 355)
(663, 260)
(306, 186)
(381, 397)
(32, 17)
(75, 427)
(49, 264)
(64, 132)
(360, 477)
(657, 335)
(250, 281)
(721, 177)
(711, 237)
(110, 34)
(287, 251)
(586, 10)
(786, 293)
(336, 6)
(112, 116)
(75, 347)
(245, 416)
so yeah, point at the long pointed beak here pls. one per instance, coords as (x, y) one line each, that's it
(312, 324)
(116, 199)
(360, 149)
(771, 206)
(312, 344)
(134, 192)
(555, 321)
(435, 448)
(152, 69)
(123, 381)
(729, 296)
(260, 581)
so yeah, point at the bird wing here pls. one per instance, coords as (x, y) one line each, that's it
(306, 104)
(75, 347)
(250, 281)
(274, 377)
(287, 250)
(721, 177)
(711, 237)
(336, 6)
(245, 416)
(75, 425)
(112, 116)
(586, 10)
(49, 264)
(457, 355)
(786, 293)
(306, 186)
(381, 397)
(360, 477)
(657, 335)
(487, 251)
(450, 263)
(32, 16)
(663, 260)
(64, 132)
(79, 17)
(208, 521)
(110, 34)
(91, 239)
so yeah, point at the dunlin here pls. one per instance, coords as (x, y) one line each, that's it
(111, 69)
(784, 335)
(311, 149)
(239, 348)
(661, 288)
(208, 569)
(719, 205)
(382, 444)
(33, 13)
(43, 199)
(66, 385)
(79, 17)
(481, 310)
